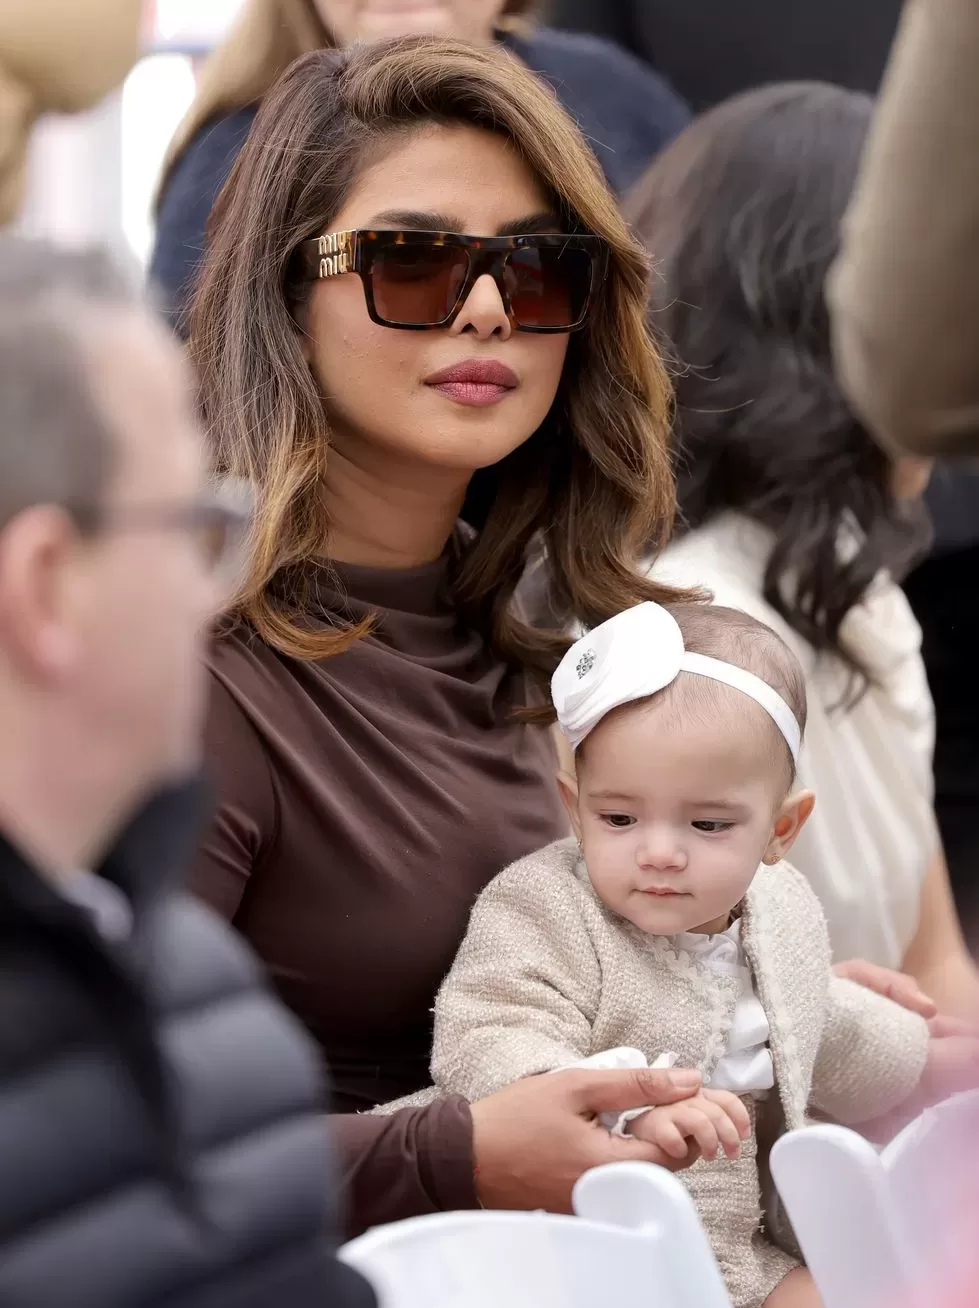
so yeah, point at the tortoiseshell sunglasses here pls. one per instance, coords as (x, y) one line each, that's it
(420, 280)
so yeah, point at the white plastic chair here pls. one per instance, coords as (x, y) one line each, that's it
(874, 1226)
(636, 1241)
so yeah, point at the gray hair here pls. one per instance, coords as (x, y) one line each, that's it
(55, 443)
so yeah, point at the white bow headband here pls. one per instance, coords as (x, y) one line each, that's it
(632, 656)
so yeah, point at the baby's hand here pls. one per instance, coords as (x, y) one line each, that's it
(701, 1125)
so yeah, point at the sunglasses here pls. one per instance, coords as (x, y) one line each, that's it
(419, 280)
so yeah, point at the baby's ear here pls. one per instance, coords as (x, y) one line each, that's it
(568, 787)
(789, 821)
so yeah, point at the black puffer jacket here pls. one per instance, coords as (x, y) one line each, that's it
(162, 1139)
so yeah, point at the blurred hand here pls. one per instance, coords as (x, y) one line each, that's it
(533, 1139)
(696, 1127)
(953, 1063)
(904, 990)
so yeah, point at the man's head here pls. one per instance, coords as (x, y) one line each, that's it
(107, 535)
(679, 795)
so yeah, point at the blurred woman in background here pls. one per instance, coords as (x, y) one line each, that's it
(624, 110)
(790, 511)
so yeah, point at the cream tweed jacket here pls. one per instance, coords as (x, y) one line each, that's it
(548, 975)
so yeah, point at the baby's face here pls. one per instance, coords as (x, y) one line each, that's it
(675, 817)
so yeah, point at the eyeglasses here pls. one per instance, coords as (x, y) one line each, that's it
(420, 280)
(217, 521)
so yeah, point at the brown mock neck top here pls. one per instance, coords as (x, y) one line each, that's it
(364, 802)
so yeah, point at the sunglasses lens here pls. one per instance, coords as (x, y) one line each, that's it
(548, 287)
(418, 285)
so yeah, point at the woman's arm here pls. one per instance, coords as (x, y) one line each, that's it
(903, 292)
(937, 957)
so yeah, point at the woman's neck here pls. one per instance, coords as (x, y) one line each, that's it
(384, 514)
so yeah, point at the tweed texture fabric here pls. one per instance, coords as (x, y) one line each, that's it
(548, 975)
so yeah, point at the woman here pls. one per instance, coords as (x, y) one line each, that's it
(372, 776)
(626, 111)
(790, 510)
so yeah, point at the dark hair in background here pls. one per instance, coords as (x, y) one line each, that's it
(742, 215)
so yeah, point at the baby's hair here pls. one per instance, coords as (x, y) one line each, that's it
(735, 637)
(739, 639)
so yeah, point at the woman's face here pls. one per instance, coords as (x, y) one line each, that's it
(374, 20)
(378, 383)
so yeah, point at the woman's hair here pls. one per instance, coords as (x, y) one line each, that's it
(267, 36)
(592, 485)
(742, 214)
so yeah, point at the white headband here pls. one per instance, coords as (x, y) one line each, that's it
(632, 656)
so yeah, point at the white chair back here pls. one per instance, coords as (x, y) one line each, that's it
(873, 1226)
(636, 1240)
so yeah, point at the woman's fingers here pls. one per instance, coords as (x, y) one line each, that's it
(904, 990)
(597, 1092)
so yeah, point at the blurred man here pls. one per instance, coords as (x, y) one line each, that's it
(160, 1124)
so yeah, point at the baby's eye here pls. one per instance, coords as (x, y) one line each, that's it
(618, 820)
(705, 824)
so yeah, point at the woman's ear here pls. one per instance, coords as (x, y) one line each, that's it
(568, 787)
(789, 821)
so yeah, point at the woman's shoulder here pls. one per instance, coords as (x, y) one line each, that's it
(609, 91)
(186, 199)
(727, 557)
(209, 154)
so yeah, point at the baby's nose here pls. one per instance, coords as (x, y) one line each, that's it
(663, 851)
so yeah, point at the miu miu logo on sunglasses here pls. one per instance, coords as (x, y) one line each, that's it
(335, 254)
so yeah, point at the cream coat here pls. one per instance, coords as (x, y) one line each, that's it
(548, 976)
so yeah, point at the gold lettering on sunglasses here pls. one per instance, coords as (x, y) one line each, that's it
(335, 254)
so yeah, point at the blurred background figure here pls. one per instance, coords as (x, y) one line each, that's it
(56, 56)
(711, 49)
(625, 111)
(905, 301)
(790, 511)
(161, 1122)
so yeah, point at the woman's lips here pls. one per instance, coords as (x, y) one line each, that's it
(475, 382)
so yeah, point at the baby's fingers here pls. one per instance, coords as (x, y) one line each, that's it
(696, 1124)
(734, 1108)
(668, 1137)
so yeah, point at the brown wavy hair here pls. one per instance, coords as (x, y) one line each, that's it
(266, 37)
(592, 485)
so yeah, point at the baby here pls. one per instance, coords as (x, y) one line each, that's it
(671, 930)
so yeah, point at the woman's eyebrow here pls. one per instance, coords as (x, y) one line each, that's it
(418, 220)
(415, 220)
(533, 223)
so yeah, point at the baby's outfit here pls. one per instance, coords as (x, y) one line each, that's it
(548, 976)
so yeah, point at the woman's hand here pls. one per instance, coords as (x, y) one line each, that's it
(904, 990)
(533, 1139)
(696, 1128)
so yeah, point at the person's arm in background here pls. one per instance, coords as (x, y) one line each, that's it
(186, 201)
(937, 957)
(904, 292)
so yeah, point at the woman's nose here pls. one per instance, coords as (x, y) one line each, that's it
(483, 312)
